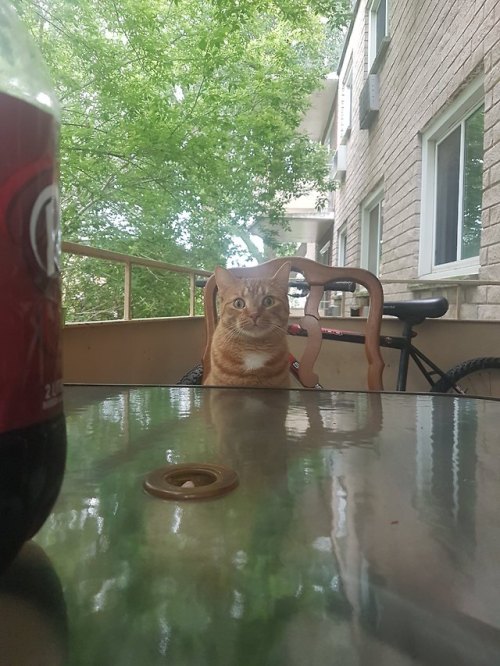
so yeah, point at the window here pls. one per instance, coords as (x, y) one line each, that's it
(342, 246)
(324, 258)
(372, 215)
(331, 144)
(459, 166)
(324, 254)
(331, 139)
(346, 114)
(378, 29)
(452, 188)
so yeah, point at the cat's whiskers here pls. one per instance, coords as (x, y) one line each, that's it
(231, 333)
(277, 328)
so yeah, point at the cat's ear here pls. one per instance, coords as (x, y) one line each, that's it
(224, 278)
(282, 275)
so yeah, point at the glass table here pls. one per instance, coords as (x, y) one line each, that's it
(364, 530)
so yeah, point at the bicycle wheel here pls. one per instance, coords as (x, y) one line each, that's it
(477, 377)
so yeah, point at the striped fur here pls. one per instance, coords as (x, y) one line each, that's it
(249, 346)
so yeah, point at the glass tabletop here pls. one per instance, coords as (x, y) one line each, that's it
(364, 529)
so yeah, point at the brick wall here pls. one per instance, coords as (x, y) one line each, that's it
(436, 48)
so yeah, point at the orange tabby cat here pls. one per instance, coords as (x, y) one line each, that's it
(249, 346)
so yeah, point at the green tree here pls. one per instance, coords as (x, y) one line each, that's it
(179, 125)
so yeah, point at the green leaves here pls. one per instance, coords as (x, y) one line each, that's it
(185, 109)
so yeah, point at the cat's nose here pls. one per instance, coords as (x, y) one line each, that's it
(254, 316)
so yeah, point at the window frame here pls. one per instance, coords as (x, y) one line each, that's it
(469, 101)
(342, 246)
(375, 51)
(324, 253)
(330, 140)
(369, 204)
(346, 110)
(324, 258)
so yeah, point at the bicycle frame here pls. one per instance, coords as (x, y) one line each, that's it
(404, 343)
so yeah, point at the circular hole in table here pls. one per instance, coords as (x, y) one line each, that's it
(190, 481)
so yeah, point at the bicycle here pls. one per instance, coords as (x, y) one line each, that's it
(477, 376)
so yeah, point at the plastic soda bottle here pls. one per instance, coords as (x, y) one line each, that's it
(32, 426)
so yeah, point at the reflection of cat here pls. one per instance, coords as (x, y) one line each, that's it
(249, 346)
(251, 433)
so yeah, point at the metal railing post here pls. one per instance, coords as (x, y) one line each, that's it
(192, 293)
(127, 291)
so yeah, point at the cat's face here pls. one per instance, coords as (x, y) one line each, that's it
(254, 307)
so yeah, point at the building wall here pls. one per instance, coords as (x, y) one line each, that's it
(436, 48)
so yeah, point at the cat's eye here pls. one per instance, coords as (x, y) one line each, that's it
(267, 301)
(239, 303)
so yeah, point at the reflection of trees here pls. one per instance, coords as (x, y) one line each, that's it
(242, 580)
(228, 581)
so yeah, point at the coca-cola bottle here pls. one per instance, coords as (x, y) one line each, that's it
(32, 426)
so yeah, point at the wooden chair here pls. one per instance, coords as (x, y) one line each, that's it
(316, 275)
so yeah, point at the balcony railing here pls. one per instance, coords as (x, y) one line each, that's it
(129, 262)
(342, 302)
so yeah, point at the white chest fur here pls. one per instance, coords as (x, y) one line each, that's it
(254, 360)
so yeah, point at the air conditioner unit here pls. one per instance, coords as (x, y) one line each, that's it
(369, 102)
(338, 164)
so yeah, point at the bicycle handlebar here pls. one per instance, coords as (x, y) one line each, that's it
(334, 285)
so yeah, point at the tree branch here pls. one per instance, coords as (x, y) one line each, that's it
(97, 198)
(251, 246)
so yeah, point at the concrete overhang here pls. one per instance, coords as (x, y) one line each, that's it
(306, 225)
(316, 118)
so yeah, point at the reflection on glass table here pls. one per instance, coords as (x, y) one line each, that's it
(33, 622)
(364, 529)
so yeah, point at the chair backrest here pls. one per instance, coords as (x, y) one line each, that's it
(317, 275)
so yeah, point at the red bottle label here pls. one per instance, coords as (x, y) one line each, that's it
(30, 291)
